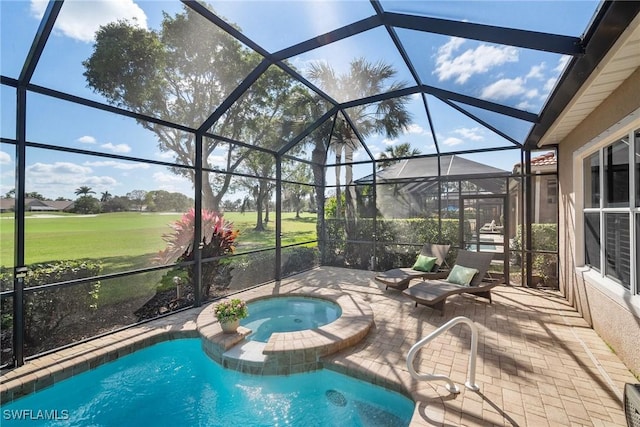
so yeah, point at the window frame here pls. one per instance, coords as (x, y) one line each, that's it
(599, 274)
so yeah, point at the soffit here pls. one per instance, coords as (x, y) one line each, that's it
(619, 63)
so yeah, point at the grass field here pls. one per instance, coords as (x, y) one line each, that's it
(124, 241)
(127, 241)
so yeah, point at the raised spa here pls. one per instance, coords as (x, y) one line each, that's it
(288, 314)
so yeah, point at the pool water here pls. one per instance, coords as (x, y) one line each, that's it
(175, 384)
(288, 314)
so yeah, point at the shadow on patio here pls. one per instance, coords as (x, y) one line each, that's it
(539, 363)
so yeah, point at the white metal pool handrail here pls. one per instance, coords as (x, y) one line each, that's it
(470, 384)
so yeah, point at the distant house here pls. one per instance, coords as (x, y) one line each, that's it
(37, 205)
(545, 190)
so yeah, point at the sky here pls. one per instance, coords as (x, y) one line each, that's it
(508, 75)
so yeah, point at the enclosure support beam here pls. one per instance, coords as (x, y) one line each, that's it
(278, 265)
(528, 216)
(197, 232)
(19, 259)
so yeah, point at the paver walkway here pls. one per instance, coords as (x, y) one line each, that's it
(539, 363)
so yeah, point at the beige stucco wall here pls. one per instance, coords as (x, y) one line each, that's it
(614, 319)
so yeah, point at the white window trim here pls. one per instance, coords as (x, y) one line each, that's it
(627, 298)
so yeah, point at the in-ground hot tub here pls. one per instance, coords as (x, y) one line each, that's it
(288, 352)
(288, 314)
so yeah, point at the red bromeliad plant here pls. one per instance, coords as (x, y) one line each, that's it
(218, 239)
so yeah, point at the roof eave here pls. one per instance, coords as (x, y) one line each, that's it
(612, 20)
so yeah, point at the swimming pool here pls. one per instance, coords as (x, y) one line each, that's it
(288, 314)
(175, 384)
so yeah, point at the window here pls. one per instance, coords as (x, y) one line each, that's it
(616, 174)
(552, 191)
(612, 222)
(592, 239)
(637, 161)
(592, 181)
(617, 248)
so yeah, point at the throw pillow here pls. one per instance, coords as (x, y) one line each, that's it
(461, 275)
(424, 263)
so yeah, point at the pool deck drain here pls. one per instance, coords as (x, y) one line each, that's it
(289, 352)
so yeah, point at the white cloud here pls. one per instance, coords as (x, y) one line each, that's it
(57, 168)
(532, 93)
(387, 141)
(87, 139)
(117, 165)
(472, 61)
(172, 182)
(536, 72)
(164, 177)
(503, 89)
(562, 63)
(415, 129)
(451, 141)
(550, 84)
(473, 134)
(5, 159)
(81, 19)
(525, 105)
(375, 150)
(217, 161)
(62, 178)
(165, 155)
(117, 148)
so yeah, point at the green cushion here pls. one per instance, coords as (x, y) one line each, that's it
(461, 275)
(425, 263)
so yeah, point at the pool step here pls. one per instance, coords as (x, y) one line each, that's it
(248, 351)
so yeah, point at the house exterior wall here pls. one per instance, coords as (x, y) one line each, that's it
(613, 312)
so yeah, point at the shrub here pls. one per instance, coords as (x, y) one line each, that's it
(544, 237)
(218, 239)
(389, 231)
(47, 312)
(298, 259)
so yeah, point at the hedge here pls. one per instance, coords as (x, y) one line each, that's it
(390, 232)
(48, 311)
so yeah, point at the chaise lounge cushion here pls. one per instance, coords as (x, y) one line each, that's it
(399, 278)
(434, 293)
(425, 263)
(461, 275)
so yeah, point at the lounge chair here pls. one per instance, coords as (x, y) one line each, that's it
(473, 267)
(399, 278)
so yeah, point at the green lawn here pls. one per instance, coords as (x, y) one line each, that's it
(128, 240)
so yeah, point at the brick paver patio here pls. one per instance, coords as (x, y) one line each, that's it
(539, 363)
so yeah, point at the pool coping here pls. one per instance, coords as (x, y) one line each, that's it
(291, 352)
(49, 369)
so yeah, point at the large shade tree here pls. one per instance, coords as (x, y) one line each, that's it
(180, 73)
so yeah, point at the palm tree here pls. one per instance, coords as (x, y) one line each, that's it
(105, 196)
(84, 191)
(393, 152)
(391, 115)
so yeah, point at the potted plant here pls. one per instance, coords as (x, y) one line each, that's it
(229, 314)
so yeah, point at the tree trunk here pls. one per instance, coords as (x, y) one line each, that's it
(209, 200)
(318, 159)
(338, 170)
(259, 194)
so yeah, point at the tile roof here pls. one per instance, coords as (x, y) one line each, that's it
(545, 159)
